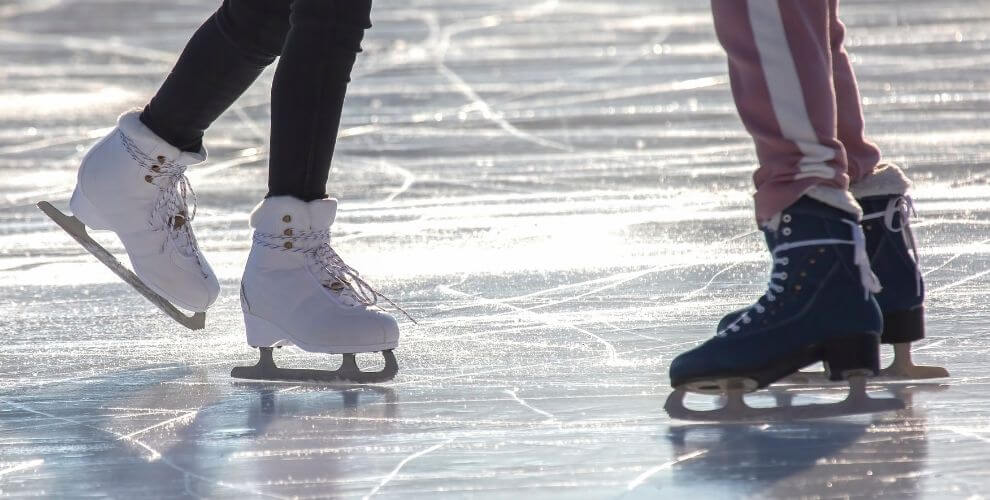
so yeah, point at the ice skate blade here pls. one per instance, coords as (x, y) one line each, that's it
(903, 367)
(737, 411)
(77, 230)
(912, 372)
(347, 373)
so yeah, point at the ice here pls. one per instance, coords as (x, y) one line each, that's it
(558, 191)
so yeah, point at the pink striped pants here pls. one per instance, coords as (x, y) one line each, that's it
(796, 93)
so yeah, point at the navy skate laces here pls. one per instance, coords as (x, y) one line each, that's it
(339, 277)
(904, 206)
(862, 260)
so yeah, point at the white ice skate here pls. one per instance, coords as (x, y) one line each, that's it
(133, 183)
(296, 290)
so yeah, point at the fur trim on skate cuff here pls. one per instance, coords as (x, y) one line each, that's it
(150, 144)
(888, 179)
(269, 215)
(837, 198)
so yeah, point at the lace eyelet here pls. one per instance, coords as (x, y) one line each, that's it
(288, 245)
(147, 179)
(783, 276)
(286, 218)
(797, 288)
(786, 218)
(786, 231)
(287, 232)
(784, 261)
(156, 168)
(161, 159)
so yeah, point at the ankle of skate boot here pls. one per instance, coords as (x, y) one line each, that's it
(903, 326)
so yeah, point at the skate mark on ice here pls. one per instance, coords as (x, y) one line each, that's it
(617, 279)
(961, 282)
(611, 357)
(640, 479)
(251, 124)
(28, 7)
(443, 37)
(180, 418)
(29, 147)
(94, 45)
(691, 294)
(516, 398)
(638, 91)
(257, 154)
(407, 181)
(410, 458)
(963, 432)
(577, 77)
(935, 343)
(613, 281)
(27, 199)
(955, 256)
(33, 265)
(520, 368)
(153, 454)
(22, 466)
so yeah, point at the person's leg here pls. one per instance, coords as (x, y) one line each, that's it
(819, 303)
(780, 70)
(308, 93)
(296, 289)
(222, 59)
(133, 181)
(881, 190)
(863, 156)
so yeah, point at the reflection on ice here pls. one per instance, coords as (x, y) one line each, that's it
(559, 191)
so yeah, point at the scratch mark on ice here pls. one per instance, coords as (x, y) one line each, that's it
(410, 458)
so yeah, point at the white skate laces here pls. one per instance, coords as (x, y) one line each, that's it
(903, 205)
(170, 212)
(338, 276)
(870, 282)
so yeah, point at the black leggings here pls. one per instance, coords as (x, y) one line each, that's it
(317, 40)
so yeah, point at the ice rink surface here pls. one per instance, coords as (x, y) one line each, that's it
(558, 191)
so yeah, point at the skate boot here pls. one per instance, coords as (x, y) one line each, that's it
(133, 183)
(819, 306)
(886, 223)
(296, 290)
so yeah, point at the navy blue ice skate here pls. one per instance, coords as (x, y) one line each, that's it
(894, 258)
(819, 306)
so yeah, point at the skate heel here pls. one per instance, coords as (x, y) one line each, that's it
(262, 333)
(83, 210)
(855, 355)
(903, 326)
